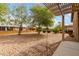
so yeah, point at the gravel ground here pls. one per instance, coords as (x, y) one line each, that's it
(29, 44)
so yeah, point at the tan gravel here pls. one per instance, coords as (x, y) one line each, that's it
(26, 44)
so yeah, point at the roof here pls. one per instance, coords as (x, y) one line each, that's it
(10, 26)
(58, 8)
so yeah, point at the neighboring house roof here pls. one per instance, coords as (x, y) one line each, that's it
(9, 26)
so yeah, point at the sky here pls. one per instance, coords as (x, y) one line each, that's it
(67, 18)
(29, 5)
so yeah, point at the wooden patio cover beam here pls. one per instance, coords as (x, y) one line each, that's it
(65, 7)
(62, 21)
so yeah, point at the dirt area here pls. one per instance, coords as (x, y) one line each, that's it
(29, 44)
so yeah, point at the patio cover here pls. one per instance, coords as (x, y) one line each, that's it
(64, 7)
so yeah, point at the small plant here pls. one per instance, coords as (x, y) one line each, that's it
(44, 30)
(55, 30)
(39, 29)
(48, 31)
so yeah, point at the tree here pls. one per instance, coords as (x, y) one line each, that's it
(20, 15)
(41, 16)
(3, 11)
(9, 20)
(48, 23)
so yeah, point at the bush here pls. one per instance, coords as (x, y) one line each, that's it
(55, 30)
(49, 30)
(46, 30)
(39, 29)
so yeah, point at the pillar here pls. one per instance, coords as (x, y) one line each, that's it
(76, 25)
(62, 27)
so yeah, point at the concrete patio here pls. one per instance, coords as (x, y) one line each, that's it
(67, 48)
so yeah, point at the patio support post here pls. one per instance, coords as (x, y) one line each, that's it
(62, 21)
(76, 25)
(62, 27)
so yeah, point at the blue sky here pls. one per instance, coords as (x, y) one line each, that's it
(29, 5)
(14, 5)
(67, 18)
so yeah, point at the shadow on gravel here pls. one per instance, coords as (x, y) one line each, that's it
(22, 38)
(40, 50)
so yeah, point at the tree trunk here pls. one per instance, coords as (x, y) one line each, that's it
(20, 29)
(47, 28)
(39, 30)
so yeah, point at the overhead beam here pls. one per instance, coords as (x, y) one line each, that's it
(62, 21)
(65, 7)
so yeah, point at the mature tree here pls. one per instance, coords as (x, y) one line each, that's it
(41, 16)
(9, 20)
(20, 15)
(3, 11)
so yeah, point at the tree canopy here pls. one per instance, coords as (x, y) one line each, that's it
(3, 8)
(41, 16)
(20, 15)
(3, 11)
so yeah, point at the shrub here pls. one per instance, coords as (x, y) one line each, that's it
(46, 30)
(39, 29)
(55, 30)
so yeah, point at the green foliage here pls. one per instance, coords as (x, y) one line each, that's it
(59, 26)
(41, 16)
(47, 23)
(39, 29)
(3, 8)
(55, 30)
(3, 11)
(20, 14)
